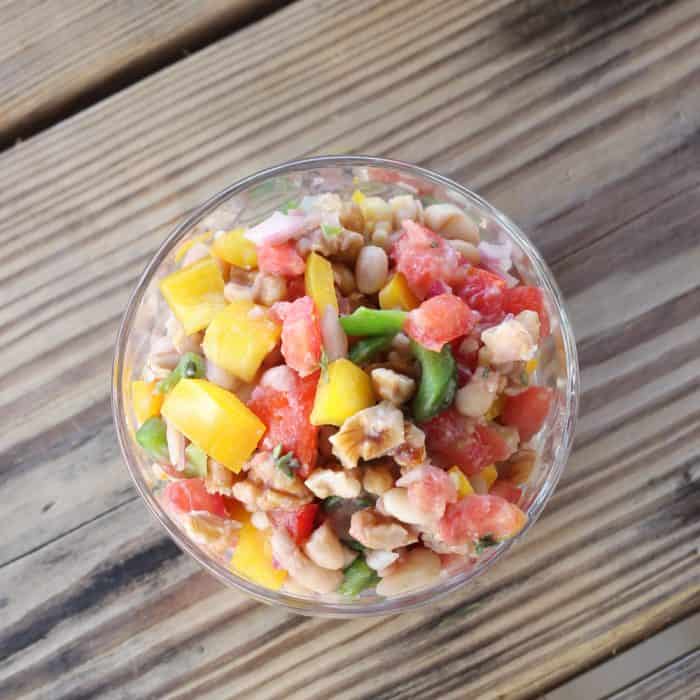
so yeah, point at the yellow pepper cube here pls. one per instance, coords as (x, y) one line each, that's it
(358, 197)
(252, 558)
(397, 295)
(343, 390)
(459, 479)
(240, 337)
(319, 283)
(215, 420)
(147, 402)
(489, 475)
(195, 294)
(531, 366)
(495, 408)
(235, 248)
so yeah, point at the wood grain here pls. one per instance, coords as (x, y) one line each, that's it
(59, 57)
(678, 680)
(583, 125)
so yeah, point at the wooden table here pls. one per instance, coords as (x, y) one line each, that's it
(580, 118)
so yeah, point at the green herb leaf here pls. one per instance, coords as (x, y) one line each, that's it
(190, 366)
(332, 502)
(486, 372)
(196, 460)
(285, 462)
(331, 231)
(289, 204)
(323, 364)
(484, 542)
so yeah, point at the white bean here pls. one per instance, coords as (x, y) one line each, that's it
(451, 222)
(343, 278)
(468, 250)
(397, 504)
(371, 269)
(335, 342)
(420, 567)
(476, 397)
(405, 206)
(300, 567)
(324, 548)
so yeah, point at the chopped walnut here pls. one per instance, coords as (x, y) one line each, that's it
(333, 482)
(509, 341)
(219, 479)
(262, 470)
(269, 289)
(378, 478)
(351, 217)
(344, 246)
(376, 531)
(391, 386)
(411, 452)
(370, 433)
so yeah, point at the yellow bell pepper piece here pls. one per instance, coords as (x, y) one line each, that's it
(462, 484)
(184, 247)
(195, 294)
(215, 420)
(343, 390)
(358, 197)
(235, 248)
(147, 402)
(252, 558)
(496, 408)
(397, 295)
(319, 283)
(240, 337)
(531, 366)
(489, 475)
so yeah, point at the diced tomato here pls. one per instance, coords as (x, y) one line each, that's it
(299, 523)
(455, 440)
(287, 417)
(296, 288)
(189, 495)
(528, 410)
(281, 259)
(477, 516)
(438, 287)
(424, 258)
(301, 334)
(483, 291)
(506, 490)
(439, 320)
(520, 299)
(430, 489)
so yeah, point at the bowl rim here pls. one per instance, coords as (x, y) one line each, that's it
(304, 605)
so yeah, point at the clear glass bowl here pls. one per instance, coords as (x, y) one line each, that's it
(252, 199)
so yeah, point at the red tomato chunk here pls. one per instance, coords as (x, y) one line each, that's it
(424, 258)
(301, 334)
(439, 320)
(299, 523)
(287, 417)
(190, 495)
(479, 516)
(456, 440)
(528, 410)
(281, 259)
(520, 299)
(507, 491)
(483, 291)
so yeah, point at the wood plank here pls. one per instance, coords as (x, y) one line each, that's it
(586, 132)
(58, 57)
(678, 680)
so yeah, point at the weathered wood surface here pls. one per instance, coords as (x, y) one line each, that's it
(58, 56)
(584, 127)
(679, 680)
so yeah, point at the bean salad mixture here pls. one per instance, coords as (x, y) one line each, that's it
(343, 398)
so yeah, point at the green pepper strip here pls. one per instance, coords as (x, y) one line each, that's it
(438, 382)
(363, 351)
(357, 577)
(364, 321)
(191, 366)
(196, 461)
(151, 436)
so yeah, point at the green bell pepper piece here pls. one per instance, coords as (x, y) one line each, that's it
(364, 321)
(196, 461)
(438, 382)
(151, 436)
(191, 366)
(357, 577)
(365, 350)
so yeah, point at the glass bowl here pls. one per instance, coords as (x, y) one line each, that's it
(249, 201)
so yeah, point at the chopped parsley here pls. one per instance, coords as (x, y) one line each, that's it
(289, 204)
(484, 543)
(285, 462)
(330, 231)
(323, 364)
(352, 543)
